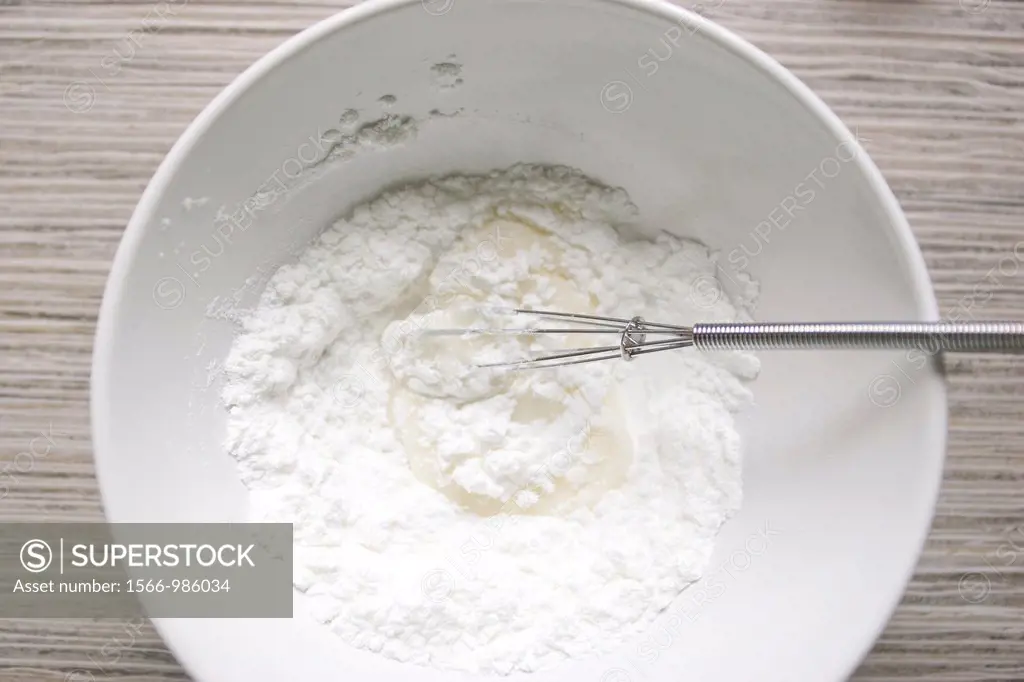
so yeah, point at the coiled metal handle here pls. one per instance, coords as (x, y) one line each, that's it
(976, 337)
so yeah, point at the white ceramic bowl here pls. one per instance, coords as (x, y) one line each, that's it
(711, 138)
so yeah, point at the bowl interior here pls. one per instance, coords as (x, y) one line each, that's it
(711, 140)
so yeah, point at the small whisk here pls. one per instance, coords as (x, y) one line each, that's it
(636, 336)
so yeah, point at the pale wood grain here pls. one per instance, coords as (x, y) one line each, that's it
(936, 87)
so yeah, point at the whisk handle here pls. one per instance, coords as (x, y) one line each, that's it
(974, 337)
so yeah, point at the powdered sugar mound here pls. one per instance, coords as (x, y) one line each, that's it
(486, 520)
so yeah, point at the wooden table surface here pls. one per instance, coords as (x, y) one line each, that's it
(935, 86)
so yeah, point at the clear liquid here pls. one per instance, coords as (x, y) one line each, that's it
(606, 446)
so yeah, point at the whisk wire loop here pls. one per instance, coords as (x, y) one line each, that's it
(632, 335)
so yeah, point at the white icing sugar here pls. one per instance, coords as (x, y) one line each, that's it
(483, 519)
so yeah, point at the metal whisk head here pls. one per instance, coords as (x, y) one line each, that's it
(632, 336)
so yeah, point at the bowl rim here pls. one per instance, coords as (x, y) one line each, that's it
(102, 358)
